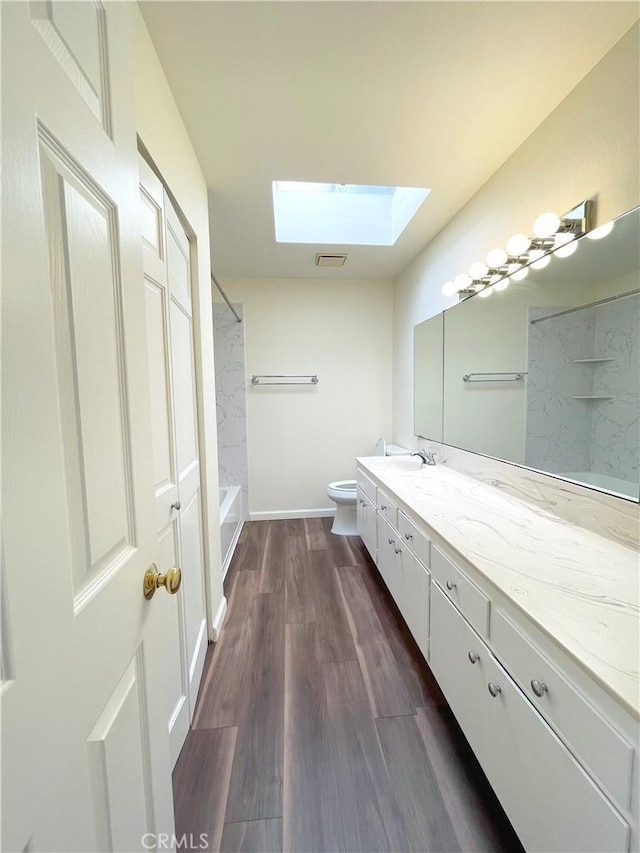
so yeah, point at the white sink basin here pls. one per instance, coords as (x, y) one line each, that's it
(399, 464)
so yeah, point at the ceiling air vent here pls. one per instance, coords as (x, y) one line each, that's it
(330, 260)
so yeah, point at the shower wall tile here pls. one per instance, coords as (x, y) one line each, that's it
(569, 435)
(615, 424)
(231, 399)
(558, 428)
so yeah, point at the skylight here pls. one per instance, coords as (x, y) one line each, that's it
(354, 214)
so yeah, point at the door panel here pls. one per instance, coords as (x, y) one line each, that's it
(178, 260)
(157, 346)
(191, 542)
(78, 507)
(75, 33)
(183, 390)
(87, 319)
(119, 767)
(170, 643)
(165, 475)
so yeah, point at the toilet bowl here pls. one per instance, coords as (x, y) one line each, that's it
(344, 493)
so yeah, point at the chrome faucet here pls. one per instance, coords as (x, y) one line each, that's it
(427, 456)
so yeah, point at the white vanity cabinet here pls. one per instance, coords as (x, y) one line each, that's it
(406, 577)
(366, 516)
(551, 801)
(467, 597)
(388, 544)
(413, 599)
(559, 750)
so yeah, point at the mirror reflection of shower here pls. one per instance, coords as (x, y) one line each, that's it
(583, 393)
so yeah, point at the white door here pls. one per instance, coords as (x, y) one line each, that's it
(167, 277)
(85, 756)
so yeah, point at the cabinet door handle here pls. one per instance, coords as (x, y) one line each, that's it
(408, 536)
(398, 550)
(392, 541)
(474, 657)
(451, 585)
(494, 689)
(538, 687)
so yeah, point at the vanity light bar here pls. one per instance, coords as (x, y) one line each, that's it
(551, 233)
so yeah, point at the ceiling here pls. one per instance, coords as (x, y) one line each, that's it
(421, 94)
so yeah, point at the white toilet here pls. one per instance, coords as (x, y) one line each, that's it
(343, 492)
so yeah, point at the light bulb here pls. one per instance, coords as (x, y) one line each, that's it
(496, 258)
(501, 285)
(518, 245)
(495, 278)
(602, 231)
(518, 276)
(546, 224)
(567, 250)
(542, 262)
(449, 288)
(477, 270)
(486, 292)
(462, 281)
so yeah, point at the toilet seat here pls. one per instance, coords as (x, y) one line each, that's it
(343, 491)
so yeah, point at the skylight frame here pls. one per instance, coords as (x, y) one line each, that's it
(343, 214)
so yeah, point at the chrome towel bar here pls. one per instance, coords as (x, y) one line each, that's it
(284, 379)
(500, 376)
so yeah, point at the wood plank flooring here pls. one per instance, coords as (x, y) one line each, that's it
(319, 726)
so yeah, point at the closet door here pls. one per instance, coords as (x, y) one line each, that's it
(186, 445)
(167, 270)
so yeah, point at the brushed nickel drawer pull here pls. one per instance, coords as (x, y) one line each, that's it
(539, 687)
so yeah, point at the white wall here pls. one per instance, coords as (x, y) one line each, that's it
(164, 135)
(300, 439)
(587, 147)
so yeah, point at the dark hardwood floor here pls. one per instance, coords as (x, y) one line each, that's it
(319, 726)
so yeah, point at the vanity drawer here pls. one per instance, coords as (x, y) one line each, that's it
(466, 596)
(367, 486)
(419, 543)
(606, 753)
(387, 508)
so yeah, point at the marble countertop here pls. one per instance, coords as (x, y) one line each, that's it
(581, 589)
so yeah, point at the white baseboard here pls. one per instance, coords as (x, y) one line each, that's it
(218, 622)
(327, 512)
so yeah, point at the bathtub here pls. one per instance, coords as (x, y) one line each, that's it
(622, 488)
(230, 522)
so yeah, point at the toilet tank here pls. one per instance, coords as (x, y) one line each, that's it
(384, 449)
(396, 450)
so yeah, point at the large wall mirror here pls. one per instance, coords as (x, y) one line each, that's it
(546, 373)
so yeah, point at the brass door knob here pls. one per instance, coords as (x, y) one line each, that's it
(153, 580)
